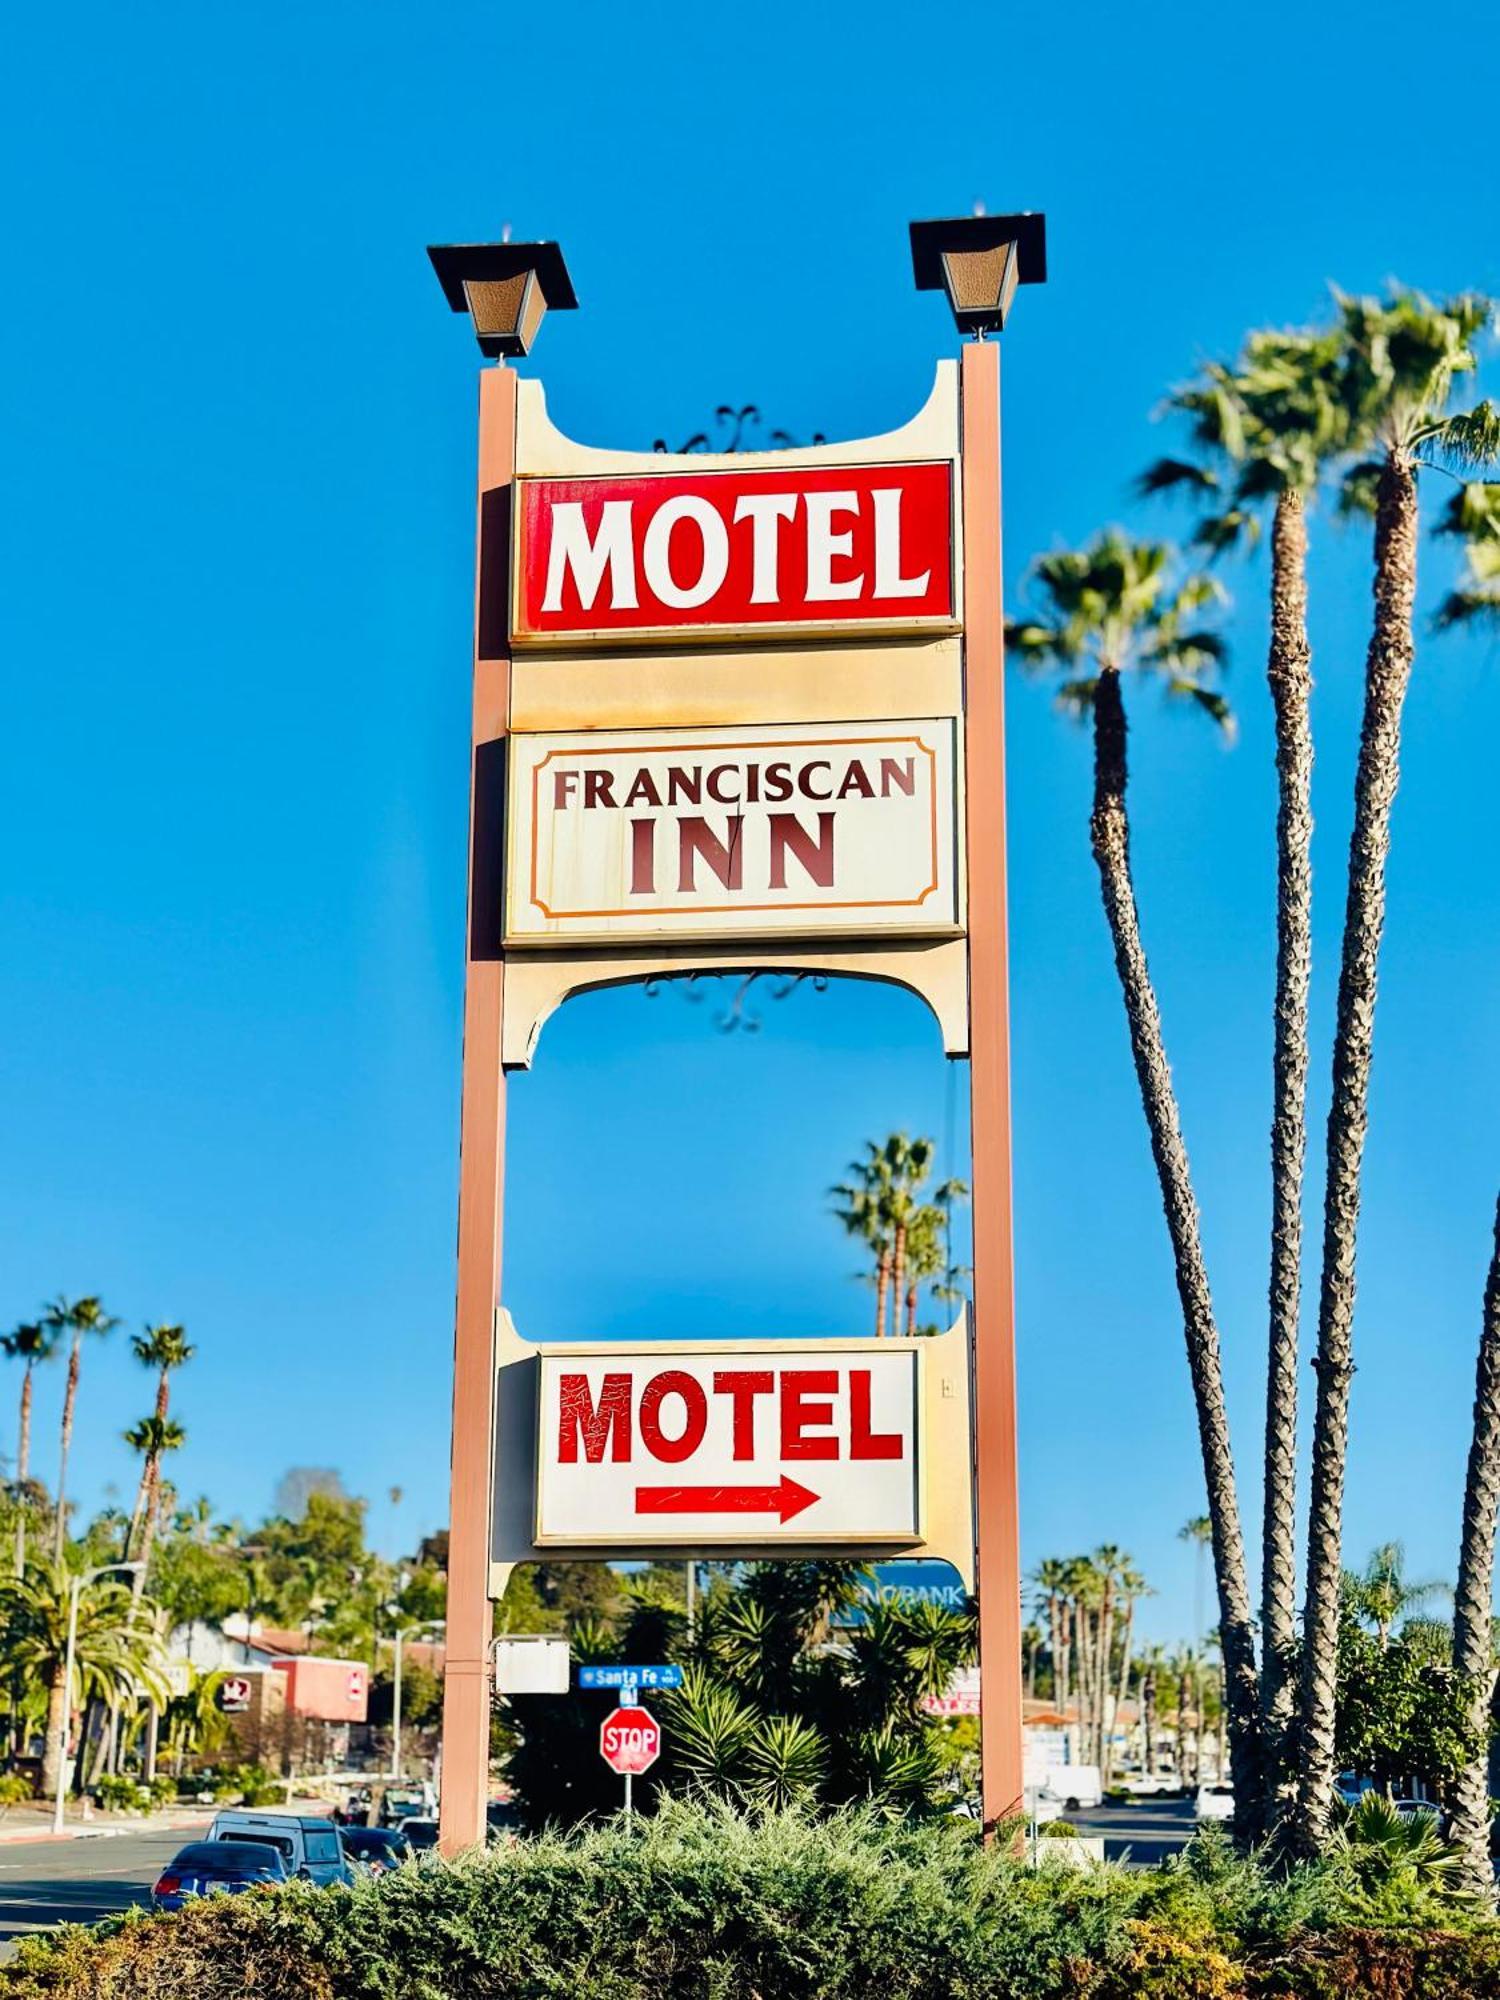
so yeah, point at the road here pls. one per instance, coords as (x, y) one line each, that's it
(1147, 1829)
(49, 1882)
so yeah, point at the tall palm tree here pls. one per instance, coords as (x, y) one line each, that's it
(1133, 1587)
(1263, 431)
(116, 1649)
(1473, 1606)
(162, 1349)
(927, 1251)
(1050, 1581)
(861, 1207)
(1399, 365)
(1111, 609)
(153, 1437)
(75, 1318)
(29, 1344)
(908, 1163)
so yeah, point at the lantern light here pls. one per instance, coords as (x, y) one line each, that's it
(978, 260)
(505, 288)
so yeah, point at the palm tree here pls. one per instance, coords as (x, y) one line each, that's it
(1050, 1580)
(1031, 1646)
(908, 1163)
(1132, 1587)
(29, 1344)
(927, 1252)
(1473, 1607)
(153, 1437)
(1153, 1660)
(1473, 513)
(863, 1212)
(1399, 364)
(1263, 431)
(1113, 608)
(75, 1317)
(116, 1649)
(161, 1348)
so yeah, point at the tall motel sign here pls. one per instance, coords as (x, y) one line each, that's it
(736, 713)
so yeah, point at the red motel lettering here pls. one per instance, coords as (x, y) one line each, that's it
(819, 1413)
(868, 546)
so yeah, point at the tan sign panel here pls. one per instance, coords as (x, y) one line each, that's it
(839, 829)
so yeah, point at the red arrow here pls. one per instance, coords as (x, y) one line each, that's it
(784, 1500)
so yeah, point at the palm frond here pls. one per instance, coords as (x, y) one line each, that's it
(1470, 440)
(1169, 475)
(1212, 703)
(1358, 489)
(1076, 698)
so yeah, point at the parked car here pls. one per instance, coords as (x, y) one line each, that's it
(417, 1800)
(421, 1834)
(1150, 1784)
(1214, 1802)
(223, 1867)
(309, 1847)
(375, 1849)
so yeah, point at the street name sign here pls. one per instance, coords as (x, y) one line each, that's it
(831, 828)
(674, 554)
(630, 1741)
(749, 1444)
(630, 1677)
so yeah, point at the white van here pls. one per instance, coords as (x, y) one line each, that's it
(311, 1848)
(1075, 1787)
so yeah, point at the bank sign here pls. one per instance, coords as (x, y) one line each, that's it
(757, 1444)
(684, 555)
(824, 827)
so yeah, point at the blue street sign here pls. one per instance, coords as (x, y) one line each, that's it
(630, 1677)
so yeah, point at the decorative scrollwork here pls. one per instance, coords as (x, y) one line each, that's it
(737, 1013)
(739, 430)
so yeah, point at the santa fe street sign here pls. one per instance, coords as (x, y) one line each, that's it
(756, 1445)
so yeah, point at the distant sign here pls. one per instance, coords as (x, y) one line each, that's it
(540, 1665)
(630, 1741)
(832, 828)
(960, 1697)
(770, 1445)
(636, 1677)
(234, 1694)
(906, 1584)
(684, 555)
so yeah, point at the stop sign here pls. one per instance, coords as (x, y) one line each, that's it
(630, 1741)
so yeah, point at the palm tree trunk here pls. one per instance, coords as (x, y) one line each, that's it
(882, 1288)
(1290, 676)
(1110, 830)
(1125, 1652)
(1106, 1648)
(70, 1398)
(1148, 1721)
(898, 1267)
(911, 1312)
(23, 1466)
(1473, 1601)
(1387, 674)
(54, 1747)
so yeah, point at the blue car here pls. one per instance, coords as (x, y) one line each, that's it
(228, 1867)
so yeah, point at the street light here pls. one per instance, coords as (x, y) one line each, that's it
(505, 288)
(405, 1633)
(978, 260)
(76, 1589)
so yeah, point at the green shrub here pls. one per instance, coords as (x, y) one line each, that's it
(704, 1904)
(14, 1790)
(1058, 1829)
(121, 1794)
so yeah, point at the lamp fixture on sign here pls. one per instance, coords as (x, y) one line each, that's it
(505, 288)
(978, 260)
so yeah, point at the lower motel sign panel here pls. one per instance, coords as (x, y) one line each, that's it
(833, 828)
(757, 1445)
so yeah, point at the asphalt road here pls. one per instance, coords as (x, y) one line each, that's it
(1143, 1830)
(49, 1882)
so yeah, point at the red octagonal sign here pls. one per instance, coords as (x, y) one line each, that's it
(630, 1741)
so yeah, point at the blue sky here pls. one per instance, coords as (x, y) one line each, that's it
(234, 619)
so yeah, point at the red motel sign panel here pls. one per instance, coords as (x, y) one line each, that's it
(762, 1445)
(630, 1741)
(834, 828)
(852, 548)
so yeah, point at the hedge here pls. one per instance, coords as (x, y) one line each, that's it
(701, 1905)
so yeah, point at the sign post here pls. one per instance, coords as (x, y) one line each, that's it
(735, 715)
